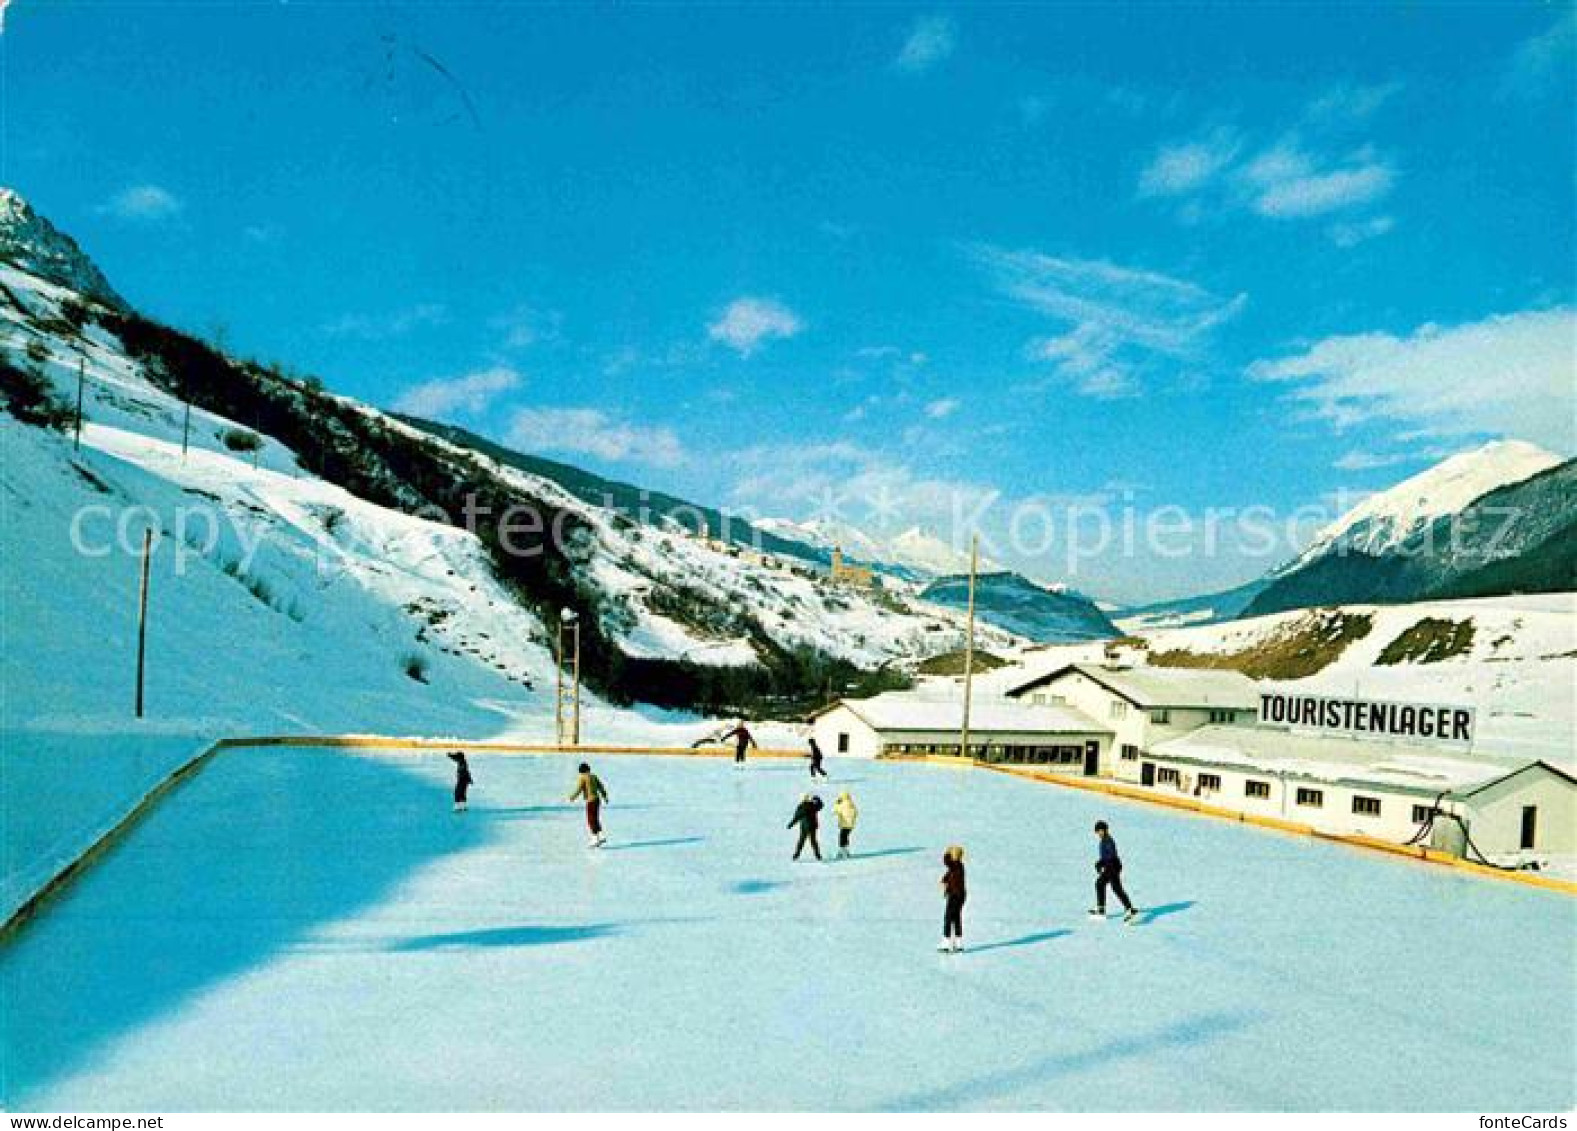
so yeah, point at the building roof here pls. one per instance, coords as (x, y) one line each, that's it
(1340, 760)
(1151, 687)
(897, 710)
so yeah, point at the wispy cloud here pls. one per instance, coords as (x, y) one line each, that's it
(1509, 374)
(1188, 166)
(1541, 59)
(392, 324)
(1115, 321)
(525, 326)
(1352, 234)
(145, 202)
(1291, 183)
(1351, 102)
(589, 431)
(468, 395)
(943, 407)
(748, 322)
(930, 41)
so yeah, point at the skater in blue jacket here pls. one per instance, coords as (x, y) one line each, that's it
(1109, 874)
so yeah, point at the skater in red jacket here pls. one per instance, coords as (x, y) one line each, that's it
(954, 892)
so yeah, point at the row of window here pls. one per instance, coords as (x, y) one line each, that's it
(1315, 798)
(1031, 755)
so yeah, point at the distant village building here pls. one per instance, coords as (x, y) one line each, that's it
(854, 576)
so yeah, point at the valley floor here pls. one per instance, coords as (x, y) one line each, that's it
(305, 929)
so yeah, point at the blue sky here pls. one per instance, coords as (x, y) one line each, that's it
(877, 262)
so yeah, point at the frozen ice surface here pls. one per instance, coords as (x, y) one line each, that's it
(305, 929)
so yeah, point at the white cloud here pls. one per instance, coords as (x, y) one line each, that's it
(1509, 374)
(589, 431)
(1289, 183)
(1188, 166)
(143, 202)
(1351, 102)
(1116, 321)
(943, 408)
(394, 324)
(1360, 231)
(1362, 459)
(747, 322)
(470, 395)
(930, 41)
(525, 326)
(3, 5)
(1541, 59)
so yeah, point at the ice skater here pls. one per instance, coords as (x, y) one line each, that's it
(743, 740)
(816, 768)
(807, 816)
(590, 786)
(954, 892)
(462, 781)
(847, 813)
(1109, 874)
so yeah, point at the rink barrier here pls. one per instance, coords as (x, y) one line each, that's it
(29, 908)
(1415, 852)
(85, 859)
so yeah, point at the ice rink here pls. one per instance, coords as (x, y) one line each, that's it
(304, 929)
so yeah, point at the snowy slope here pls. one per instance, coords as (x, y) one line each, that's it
(909, 553)
(1385, 520)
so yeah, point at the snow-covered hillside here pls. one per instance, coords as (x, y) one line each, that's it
(366, 615)
(912, 552)
(1385, 520)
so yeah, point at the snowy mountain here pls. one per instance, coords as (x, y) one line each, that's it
(1438, 539)
(32, 244)
(912, 554)
(1207, 608)
(342, 555)
(1386, 520)
(1015, 603)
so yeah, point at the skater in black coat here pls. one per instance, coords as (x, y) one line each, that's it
(462, 781)
(815, 760)
(1109, 873)
(954, 892)
(743, 740)
(807, 818)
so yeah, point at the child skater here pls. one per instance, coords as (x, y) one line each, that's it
(846, 812)
(815, 760)
(589, 786)
(1109, 873)
(462, 781)
(954, 892)
(807, 818)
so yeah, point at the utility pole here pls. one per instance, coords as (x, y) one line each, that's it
(142, 615)
(186, 431)
(81, 379)
(969, 645)
(566, 709)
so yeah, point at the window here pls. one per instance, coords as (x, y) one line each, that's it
(1421, 813)
(1119, 709)
(1165, 776)
(1130, 752)
(1530, 825)
(1313, 798)
(1260, 789)
(1209, 783)
(1366, 806)
(1223, 716)
(843, 742)
(1163, 717)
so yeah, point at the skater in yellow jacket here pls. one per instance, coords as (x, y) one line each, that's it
(847, 813)
(589, 786)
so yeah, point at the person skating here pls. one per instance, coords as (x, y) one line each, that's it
(1109, 874)
(954, 892)
(815, 760)
(743, 739)
(590, 786)
(462, 781)
(847, 813)
(807, 816)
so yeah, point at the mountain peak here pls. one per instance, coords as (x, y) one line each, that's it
(33, 244)
(1386, 519)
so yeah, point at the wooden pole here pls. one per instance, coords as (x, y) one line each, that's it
(186, 431)
(969, 645)
(81, 379)
(142, 615)
(575, 730)
(558, 687)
